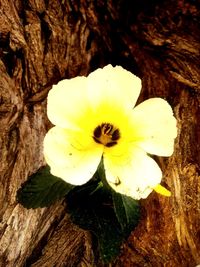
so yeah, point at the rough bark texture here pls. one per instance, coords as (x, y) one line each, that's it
(44, 41)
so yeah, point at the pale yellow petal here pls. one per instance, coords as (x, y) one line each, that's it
(67, 104)
(162, 190)
(154, 127)
(130, 171)
(71, 155)
(114, 86)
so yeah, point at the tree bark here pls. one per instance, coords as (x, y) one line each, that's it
(45, 41)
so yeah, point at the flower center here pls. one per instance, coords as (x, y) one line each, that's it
(106, 134)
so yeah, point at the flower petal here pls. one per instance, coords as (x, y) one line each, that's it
(113, 85)
(162, 190)
(67, 103)
(130, 171)
(154, 127)
(71, 155)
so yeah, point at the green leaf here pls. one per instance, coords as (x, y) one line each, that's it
(91, 208)
(42, 189)
(109, 215)
(127, 211)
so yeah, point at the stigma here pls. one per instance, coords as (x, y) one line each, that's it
(106, 134)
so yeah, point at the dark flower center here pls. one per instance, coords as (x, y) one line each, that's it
(106, 134)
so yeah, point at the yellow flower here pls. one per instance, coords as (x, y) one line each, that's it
(95, 119)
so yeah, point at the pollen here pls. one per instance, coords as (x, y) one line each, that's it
(106, 134)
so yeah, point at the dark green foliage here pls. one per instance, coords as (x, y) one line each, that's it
(127, 211)
(107, 214)
(42, 189)
(94, 206)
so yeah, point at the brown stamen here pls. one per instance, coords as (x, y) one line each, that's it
(115, 135)
(106, 134)
(111, 144)
(97, 132)
(107, 128)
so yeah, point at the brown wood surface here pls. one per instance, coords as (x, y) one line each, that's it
(44, 41)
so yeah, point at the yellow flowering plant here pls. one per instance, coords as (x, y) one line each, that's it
(99, 152)
(95, 119)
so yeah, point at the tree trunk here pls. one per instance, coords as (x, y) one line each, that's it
(44, 41)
